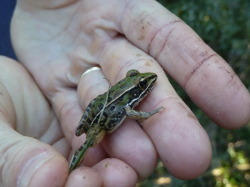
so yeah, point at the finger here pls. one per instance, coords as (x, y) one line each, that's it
(116, 173)
(118, 146)
(69, 104)
(99, 84)
(34, 165)
(33, 114)
(84, 177)
(36, 120)
(109, 172)
(205, 76)
(26, 161)
(69, 109)
(175, 122)
(69, 112)
(133, 146)
(91, 84)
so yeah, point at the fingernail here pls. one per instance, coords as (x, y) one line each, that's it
(30, 168)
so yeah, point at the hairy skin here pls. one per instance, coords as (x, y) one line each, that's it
(58, 40)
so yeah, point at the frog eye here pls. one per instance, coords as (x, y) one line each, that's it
(143, 83)
(132, 73)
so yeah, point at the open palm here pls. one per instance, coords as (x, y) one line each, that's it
(57, 42)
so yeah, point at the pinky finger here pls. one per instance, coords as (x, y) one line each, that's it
(116, 173)
(108, 172)
(84, 177)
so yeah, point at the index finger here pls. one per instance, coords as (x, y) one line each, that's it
(205, 76)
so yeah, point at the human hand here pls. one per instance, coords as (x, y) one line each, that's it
(58, 42)
(27, 120)
(33, 147)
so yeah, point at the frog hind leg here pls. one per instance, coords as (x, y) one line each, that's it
(91, 140)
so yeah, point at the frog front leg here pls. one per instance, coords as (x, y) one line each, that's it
(140, 115)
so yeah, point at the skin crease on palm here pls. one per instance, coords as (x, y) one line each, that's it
(59, 40)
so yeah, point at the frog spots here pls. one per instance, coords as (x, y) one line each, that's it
(120, 99)
(100, 106)
(109, 127)
(105, 115)
(88, 120)
(112, 116)
(102, 120)
(112, 107)
(120, 113)
(83, 125)
(109, 99)
(87, 111)
(81, 148)
(106, 112)
(112, 124)
(90, 105)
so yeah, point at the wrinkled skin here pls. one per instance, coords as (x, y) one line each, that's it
(57, 41)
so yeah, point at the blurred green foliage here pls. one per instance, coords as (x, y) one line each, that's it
(225, 26)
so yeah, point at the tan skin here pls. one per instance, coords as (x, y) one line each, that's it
(58, 40)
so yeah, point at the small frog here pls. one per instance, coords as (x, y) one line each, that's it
(106, 112)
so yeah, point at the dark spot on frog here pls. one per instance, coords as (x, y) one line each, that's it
(88, 121)
(87, 111)
(114, 121)
(80, 149)
(105, 115)
(100, 106)
(120, 99)
(109, 98)
(74, 159)
(119, 114)
(112, 107)
(90, 105)
(1, 93)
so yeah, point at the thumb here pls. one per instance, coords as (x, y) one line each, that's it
(27, 162)
(24, 161)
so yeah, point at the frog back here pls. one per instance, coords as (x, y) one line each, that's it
(90, 114)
